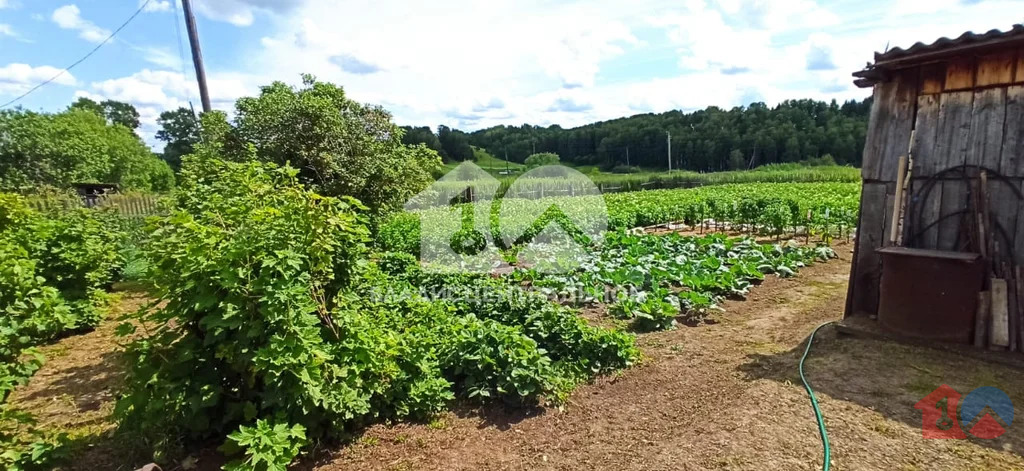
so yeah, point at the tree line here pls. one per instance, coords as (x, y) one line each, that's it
(711, 139)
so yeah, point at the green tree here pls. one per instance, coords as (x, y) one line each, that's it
(75, 146)
(702, 140)
(119, 112)
(543, 158)
(115, 112)
(341, 147)
(736, 161)
(180, 130)
(455, 144)
(422, 135)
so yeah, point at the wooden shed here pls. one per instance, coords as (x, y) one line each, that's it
(953, 109)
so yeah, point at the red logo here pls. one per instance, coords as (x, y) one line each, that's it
(941, 409)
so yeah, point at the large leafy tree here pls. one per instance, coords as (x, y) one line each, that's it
(455, 144)
(341, 147)
(422, 135)
(704, 140)
(115, 112)
(180, 130)
(75, 146)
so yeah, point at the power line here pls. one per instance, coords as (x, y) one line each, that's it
(181, 44)
(79, 61)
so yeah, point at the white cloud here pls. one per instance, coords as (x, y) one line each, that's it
(7, 4)
(472, 64)
(160, 56)
(243, 12)
(7, 31)
(18, 78)
(155, 91)
(70, 17)
(156, 5)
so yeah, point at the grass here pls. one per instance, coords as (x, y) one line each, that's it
(621, 182)
(489, 162)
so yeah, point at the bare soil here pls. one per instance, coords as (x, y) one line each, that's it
(719, 396)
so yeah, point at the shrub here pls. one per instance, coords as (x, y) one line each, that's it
(51, 267)
(274, 335)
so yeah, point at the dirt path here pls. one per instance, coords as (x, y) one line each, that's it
(722, 396)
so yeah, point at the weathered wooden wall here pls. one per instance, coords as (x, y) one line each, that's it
(968, 110)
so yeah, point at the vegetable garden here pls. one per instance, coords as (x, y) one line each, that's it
(279, 320)
(274, 333)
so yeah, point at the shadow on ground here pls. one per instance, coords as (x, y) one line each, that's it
(889, 378)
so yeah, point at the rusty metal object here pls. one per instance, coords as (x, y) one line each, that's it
(930, 294)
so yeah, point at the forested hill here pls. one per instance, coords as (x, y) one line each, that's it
(705, 140)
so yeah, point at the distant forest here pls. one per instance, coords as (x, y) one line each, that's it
(712, 139)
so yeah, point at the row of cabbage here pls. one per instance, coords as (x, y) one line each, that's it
(655, 280)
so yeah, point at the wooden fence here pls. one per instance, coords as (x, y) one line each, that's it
(130, 206)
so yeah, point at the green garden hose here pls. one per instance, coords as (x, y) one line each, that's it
(814, 402)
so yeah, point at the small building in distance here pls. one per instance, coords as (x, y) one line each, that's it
(956, 107)
(91, 192)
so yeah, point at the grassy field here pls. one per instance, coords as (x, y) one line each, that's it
(652, 179)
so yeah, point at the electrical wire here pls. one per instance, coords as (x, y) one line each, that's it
(181, 43)
(827, 462)
(79, 61)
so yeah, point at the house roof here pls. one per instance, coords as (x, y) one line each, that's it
(967, 43)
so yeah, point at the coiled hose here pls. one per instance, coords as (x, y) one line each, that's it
(814, 402)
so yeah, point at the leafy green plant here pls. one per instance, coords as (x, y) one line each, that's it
(275, 319)
(27, 447)
(268, 447)
(650, 310)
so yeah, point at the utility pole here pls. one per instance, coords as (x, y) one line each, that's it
(534, 146)
(197, 54)
(668, 138)
(627, 156)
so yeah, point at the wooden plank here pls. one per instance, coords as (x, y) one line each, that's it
(926, 163)
(890, 202)
(1018, 234)
(933, 78)
(900, 127)
(995, 69)
(868, 272)
(1019, 69)
(954, 199)
(1000, 334)
(878, 122)
(1012, 160)
(901, 175)
(1019, 281)
(924, 208)
(981, 322)
(986, 133)
(959, 75)
(1005, 209)
(955, 110)
(954, 128)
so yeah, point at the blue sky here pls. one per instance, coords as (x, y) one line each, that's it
(473, 64)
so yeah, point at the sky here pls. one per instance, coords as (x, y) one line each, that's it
(473, 64)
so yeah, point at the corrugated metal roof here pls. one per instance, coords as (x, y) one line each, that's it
(942, 44)
(898, 57)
